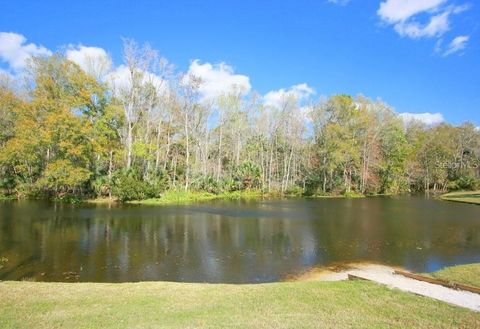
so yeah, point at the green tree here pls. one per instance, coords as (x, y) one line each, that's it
(53, 134)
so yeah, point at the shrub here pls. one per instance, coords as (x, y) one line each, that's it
(247, 175)
(464, 183)
(128, 185)
(228, 184)
(207, 183)
(101, 186)
(294, 190)
(158, 181)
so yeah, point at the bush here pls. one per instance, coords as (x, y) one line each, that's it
(464, 183)
(128, 185)
(294, 190)
(468, 183)
(229, 185)
(158, 181)
(247, 175)
(207, 183)
(101, 186)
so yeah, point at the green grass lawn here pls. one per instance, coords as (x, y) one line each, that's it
(465, 196)
(464, 274)
(180, 197)
(345, 304)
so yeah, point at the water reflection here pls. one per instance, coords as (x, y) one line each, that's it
(231, 241)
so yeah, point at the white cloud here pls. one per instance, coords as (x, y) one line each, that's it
(120, 80)
(15, 51)
(395, 11)
(457, 44)
(92, 60)
(404, 16)
(276, 98)
(437, 26)
(218, 79)
(429, 119)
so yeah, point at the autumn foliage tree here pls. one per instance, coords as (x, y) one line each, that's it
(147, 129)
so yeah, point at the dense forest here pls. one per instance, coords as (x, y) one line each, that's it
(67, 132)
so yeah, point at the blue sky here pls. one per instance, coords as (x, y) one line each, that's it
(417, 55)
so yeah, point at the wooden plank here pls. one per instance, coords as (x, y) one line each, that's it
(424, 278)
(467, 288)
(444, 283)
(354, 277)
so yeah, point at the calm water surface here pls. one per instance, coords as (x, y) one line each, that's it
(243, 241)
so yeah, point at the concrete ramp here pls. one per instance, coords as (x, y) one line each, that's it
(386, 276)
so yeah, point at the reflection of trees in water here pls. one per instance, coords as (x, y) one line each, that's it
(175, 243)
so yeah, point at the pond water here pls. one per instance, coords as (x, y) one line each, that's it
(231, 242)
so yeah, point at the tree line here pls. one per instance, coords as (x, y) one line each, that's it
(70, 133)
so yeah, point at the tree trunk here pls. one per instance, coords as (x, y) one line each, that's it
(129, 144)
(187, 156)
(219, 160)
(157, 155)
(110, 169)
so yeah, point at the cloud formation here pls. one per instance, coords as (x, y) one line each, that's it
(218, 79)
(437, 26)
(15, 51)
(92, 60)
(394, 11)
(120, 80)
(300, 92)
(405, 16)
(457, 44)
(430, 119)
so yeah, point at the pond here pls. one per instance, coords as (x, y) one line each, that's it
(231, 241)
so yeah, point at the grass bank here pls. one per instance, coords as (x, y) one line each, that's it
(472, 197)
(465, 274)
(311, 304)
(181, 197)
(351, 195)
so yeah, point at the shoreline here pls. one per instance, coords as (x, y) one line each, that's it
(463, 274)
(192, 196)
(180, 197)
(172, 197)
(469, 197)
(26, 304)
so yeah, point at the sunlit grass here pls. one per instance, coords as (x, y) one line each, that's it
(181, 197)
(350, 195)
(464, 196)
(309, 304)
(345, 304)
(464, 274)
